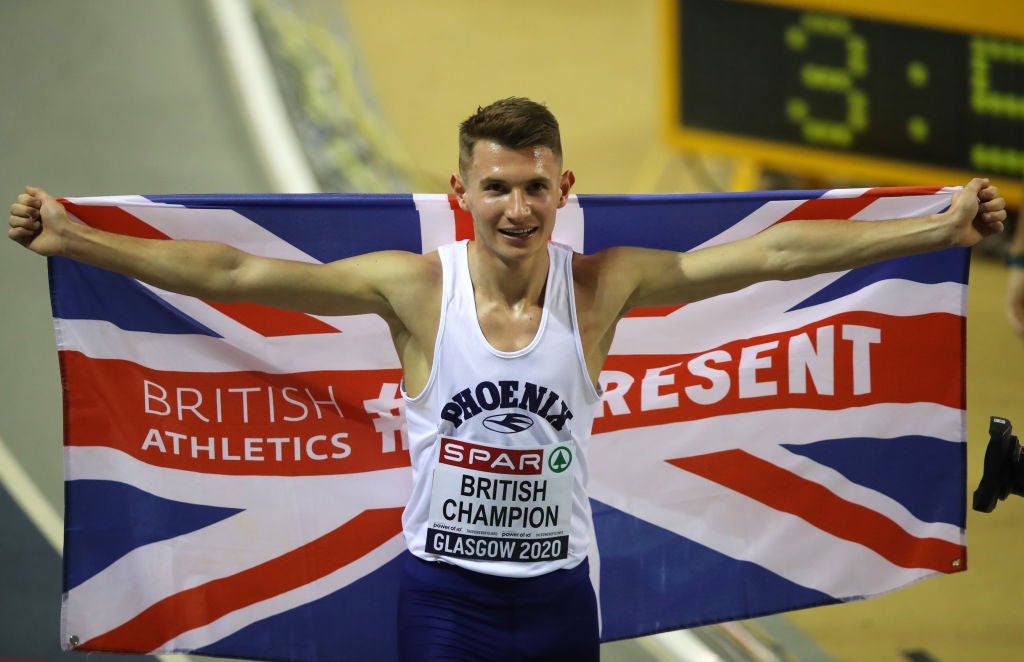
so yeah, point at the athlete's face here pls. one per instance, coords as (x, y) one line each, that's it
(513, 195)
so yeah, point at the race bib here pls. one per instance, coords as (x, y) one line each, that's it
(491, 503)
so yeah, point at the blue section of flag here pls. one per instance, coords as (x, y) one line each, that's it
(647, 220)
(927, 269)
(334, 627)
(105, 520)
(926, 475)
(79, 291)
(671, 579)
(327, 227)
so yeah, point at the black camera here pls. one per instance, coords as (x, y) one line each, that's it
(1004, 470)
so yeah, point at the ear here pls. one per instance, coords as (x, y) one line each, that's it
(568, 179)
(459, 189)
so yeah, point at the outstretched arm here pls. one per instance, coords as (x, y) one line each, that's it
(796, 249)
(209, 270)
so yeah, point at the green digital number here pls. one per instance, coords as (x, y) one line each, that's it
(986, 100)
(831, 79)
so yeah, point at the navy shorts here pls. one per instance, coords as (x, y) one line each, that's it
(448, 613)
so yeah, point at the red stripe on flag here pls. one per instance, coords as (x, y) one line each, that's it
(659, 311)
(814, 503)
(845, 208)
(266, 321)
(273, 322)
(901, 191)
(202, 605)
(463, 219)
(916, 359)
(824, 208)
(113, 219)
(244, 423)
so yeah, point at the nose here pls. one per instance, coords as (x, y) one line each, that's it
(518, 208)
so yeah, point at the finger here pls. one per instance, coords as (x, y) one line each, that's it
(991, 229)
(997, 216)
(975, 186)
(21, 235)
(994, 205)
(990, 192)
(24, 211)
(29, 201)
(993, 210)
(41, 195)
(994, 217)
(29, 224)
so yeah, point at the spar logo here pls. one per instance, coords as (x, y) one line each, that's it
(560, 459)
(508, 423)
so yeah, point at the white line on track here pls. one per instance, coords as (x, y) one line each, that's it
(48, 521)
(32, 502)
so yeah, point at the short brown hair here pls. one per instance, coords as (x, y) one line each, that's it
(515, 122)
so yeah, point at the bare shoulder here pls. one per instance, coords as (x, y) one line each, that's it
(615, 268)
(401, 271)
(623, 277)
(605, 280)
(393, 265)
(411, 282)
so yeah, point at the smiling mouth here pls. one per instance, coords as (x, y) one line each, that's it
(517, 233)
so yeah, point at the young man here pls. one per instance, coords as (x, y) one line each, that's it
(501, 340)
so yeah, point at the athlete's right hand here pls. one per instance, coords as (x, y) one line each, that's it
(37, 221)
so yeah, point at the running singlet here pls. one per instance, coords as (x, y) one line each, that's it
(497, 438)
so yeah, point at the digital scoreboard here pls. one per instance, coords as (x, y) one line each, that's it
(897, 92)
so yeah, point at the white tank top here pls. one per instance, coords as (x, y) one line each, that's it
(498, 439)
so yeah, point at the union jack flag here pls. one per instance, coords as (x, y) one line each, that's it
(235, 475)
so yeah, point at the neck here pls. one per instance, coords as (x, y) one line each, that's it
(511, 282)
